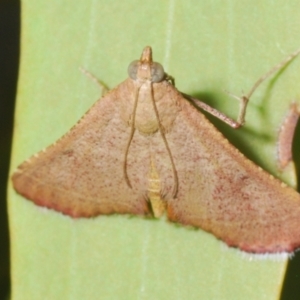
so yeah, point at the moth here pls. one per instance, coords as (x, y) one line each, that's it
(286, 135)
(145, 149)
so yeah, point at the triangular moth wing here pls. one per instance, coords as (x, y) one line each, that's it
(81, 174)
(226, 194)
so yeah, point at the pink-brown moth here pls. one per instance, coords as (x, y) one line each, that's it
(145, 149)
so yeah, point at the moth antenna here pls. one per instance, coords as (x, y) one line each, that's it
(130, 138)
(175, 187)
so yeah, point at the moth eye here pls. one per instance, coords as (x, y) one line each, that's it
(157, 72)
(132, 69)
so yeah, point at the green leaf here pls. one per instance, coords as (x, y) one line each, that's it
(207, 46)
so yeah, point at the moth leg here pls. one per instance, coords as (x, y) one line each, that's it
(216, 113)
(170, 79)
(286, 135)
(244, 99)
(104, 89)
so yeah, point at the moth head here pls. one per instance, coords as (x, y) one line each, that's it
(146, 69)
